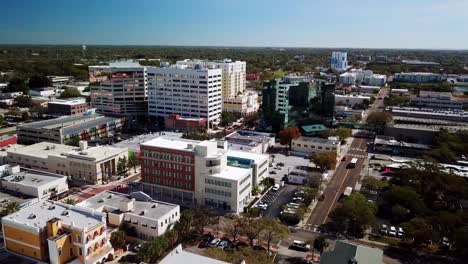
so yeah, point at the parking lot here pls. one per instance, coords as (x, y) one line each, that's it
(277, 199)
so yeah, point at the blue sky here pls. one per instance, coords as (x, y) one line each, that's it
(428, 24)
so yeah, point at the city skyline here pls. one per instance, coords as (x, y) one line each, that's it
(321, 24)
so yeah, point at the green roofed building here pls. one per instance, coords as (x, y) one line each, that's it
(313, 130)
(347, 253)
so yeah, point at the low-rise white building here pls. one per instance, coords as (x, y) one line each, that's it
(250, 141)
(82, 165)
(315, 145)
(245, 104)
(41, 185)
(150, 218)
(375, 80)
(351, 99)
(258, 163)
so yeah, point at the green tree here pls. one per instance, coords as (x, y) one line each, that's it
(288, 134)
(153, 250)
(227, 118)
(354, 215)
(234, 229)
(70, 201)
(14, 112)
(17, 85)
(418, 230)
(324, 160)
(378, 120)
(10, 207)
(320, 244)
(39, 81)
(343, 133)
(70, 93)
(73, 141)
(122, 166)
(252, 228)
(38, 110)
(133, 162)
(118, 239)
(184, 225)
(203, 217)
(23, 101)
(273, 230)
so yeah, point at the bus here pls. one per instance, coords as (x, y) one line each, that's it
(352, 163)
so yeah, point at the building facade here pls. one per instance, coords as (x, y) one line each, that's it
(233, 74)
(193, 172)
(438, 100)
(315, 145)
(57, 233)
(176, 122)
(69, 129)
(192, 92)
(245, 104)
(38, 184)
(82, 165)
(119, 89)
(417, 77)
(150, 218)
(351, 99)
(72, 106)
(339, 61)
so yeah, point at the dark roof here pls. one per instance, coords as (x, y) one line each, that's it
(346, 253)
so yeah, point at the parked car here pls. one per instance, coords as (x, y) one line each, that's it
(276, 187)
(298, 199)
(384, 229)
(272, 172)
(344, 158)
(299, 193)
(223, 244)
(215, 242)
(300, 245)
(241, 244)
(261, 206)
(393, 231)
(292, 206)
(400, 232)
(281, 164)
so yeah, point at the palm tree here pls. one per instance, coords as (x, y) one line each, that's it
(118, 239)
(153, 250)
(70, 201)
(320, 244)
(10, 208)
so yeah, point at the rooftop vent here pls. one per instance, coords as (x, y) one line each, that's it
(65, 213)
(31, 216)
(52, 207)
(153, 206)
(110, 196)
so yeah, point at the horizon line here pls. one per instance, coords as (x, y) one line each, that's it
(228, 46)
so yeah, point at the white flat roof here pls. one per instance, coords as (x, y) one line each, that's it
(179, 256)
(30, 178)
(40, 150)
(171, 143)
(258, 158)
(231, 173)
(37, 215)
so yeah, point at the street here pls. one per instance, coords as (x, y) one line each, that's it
(342, 178)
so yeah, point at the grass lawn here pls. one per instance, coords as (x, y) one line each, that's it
(384, 239)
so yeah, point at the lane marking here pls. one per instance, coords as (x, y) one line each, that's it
(336, 195)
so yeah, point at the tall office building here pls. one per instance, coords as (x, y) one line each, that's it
(186, 90)
(233, 74)
(326, 99)
(119, 89)
(339, 61)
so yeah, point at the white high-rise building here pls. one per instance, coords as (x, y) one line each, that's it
(119, 89)
(339, 61)
(233, 74)
(186, 90)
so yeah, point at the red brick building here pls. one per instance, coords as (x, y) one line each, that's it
(252, 76)
(170, 168)
(174, 122)
(72, 106)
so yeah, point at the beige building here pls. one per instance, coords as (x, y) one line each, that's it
(316, 145)
(82, 165)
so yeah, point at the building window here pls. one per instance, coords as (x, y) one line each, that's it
(71, 251)
(78, 239)
(60, 251)
(80, 251)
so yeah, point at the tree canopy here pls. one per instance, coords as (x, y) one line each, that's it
(324, 160)
(288, 134)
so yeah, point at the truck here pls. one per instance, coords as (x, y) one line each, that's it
(348, 191)
(352, 163)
